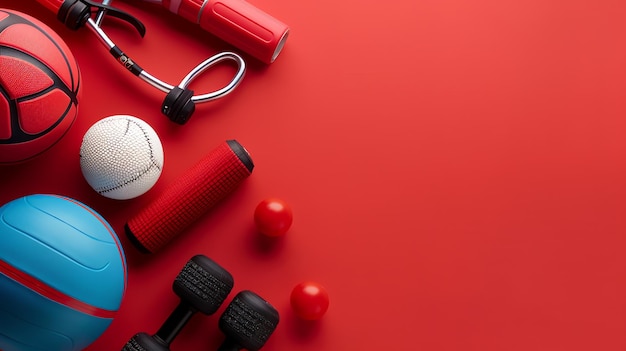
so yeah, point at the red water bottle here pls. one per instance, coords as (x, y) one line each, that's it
(238, 23)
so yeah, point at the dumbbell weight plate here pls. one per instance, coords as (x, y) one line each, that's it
(203, 284)
(143, 342)
(248, 321)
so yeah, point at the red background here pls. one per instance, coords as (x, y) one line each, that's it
(456, 170)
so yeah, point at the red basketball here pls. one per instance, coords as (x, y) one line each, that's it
(39, 87)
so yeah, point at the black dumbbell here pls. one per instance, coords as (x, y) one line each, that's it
(202, 286)
(247, 322)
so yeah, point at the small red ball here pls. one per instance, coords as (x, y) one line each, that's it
(309, 300)
(273, 217)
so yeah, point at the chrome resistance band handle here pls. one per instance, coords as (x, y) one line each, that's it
(179, 104)
(180, 101)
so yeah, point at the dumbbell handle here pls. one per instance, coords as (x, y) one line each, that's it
(199, 189)
(237, 22)
(174, 324)
(229, 346)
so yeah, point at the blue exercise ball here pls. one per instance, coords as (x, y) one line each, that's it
(62, 274)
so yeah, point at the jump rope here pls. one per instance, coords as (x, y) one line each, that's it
(237, 22)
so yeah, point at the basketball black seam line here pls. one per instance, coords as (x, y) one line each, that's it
(13, 19)
(16, 133)
(153, 162)
(57, 83)
(12, 107)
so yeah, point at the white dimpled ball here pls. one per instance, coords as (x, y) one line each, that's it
(121, 157)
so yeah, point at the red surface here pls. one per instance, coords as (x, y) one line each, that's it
(456, 170)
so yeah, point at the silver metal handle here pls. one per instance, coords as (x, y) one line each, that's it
(127, 62)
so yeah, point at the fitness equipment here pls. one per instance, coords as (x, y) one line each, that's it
(62, 274)
(121, 157)
(179, 103)
(247, 322)
(39, 87)
(202, 286)
(199, 189)
(237, 22)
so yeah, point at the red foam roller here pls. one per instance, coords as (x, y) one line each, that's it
(198, 190)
